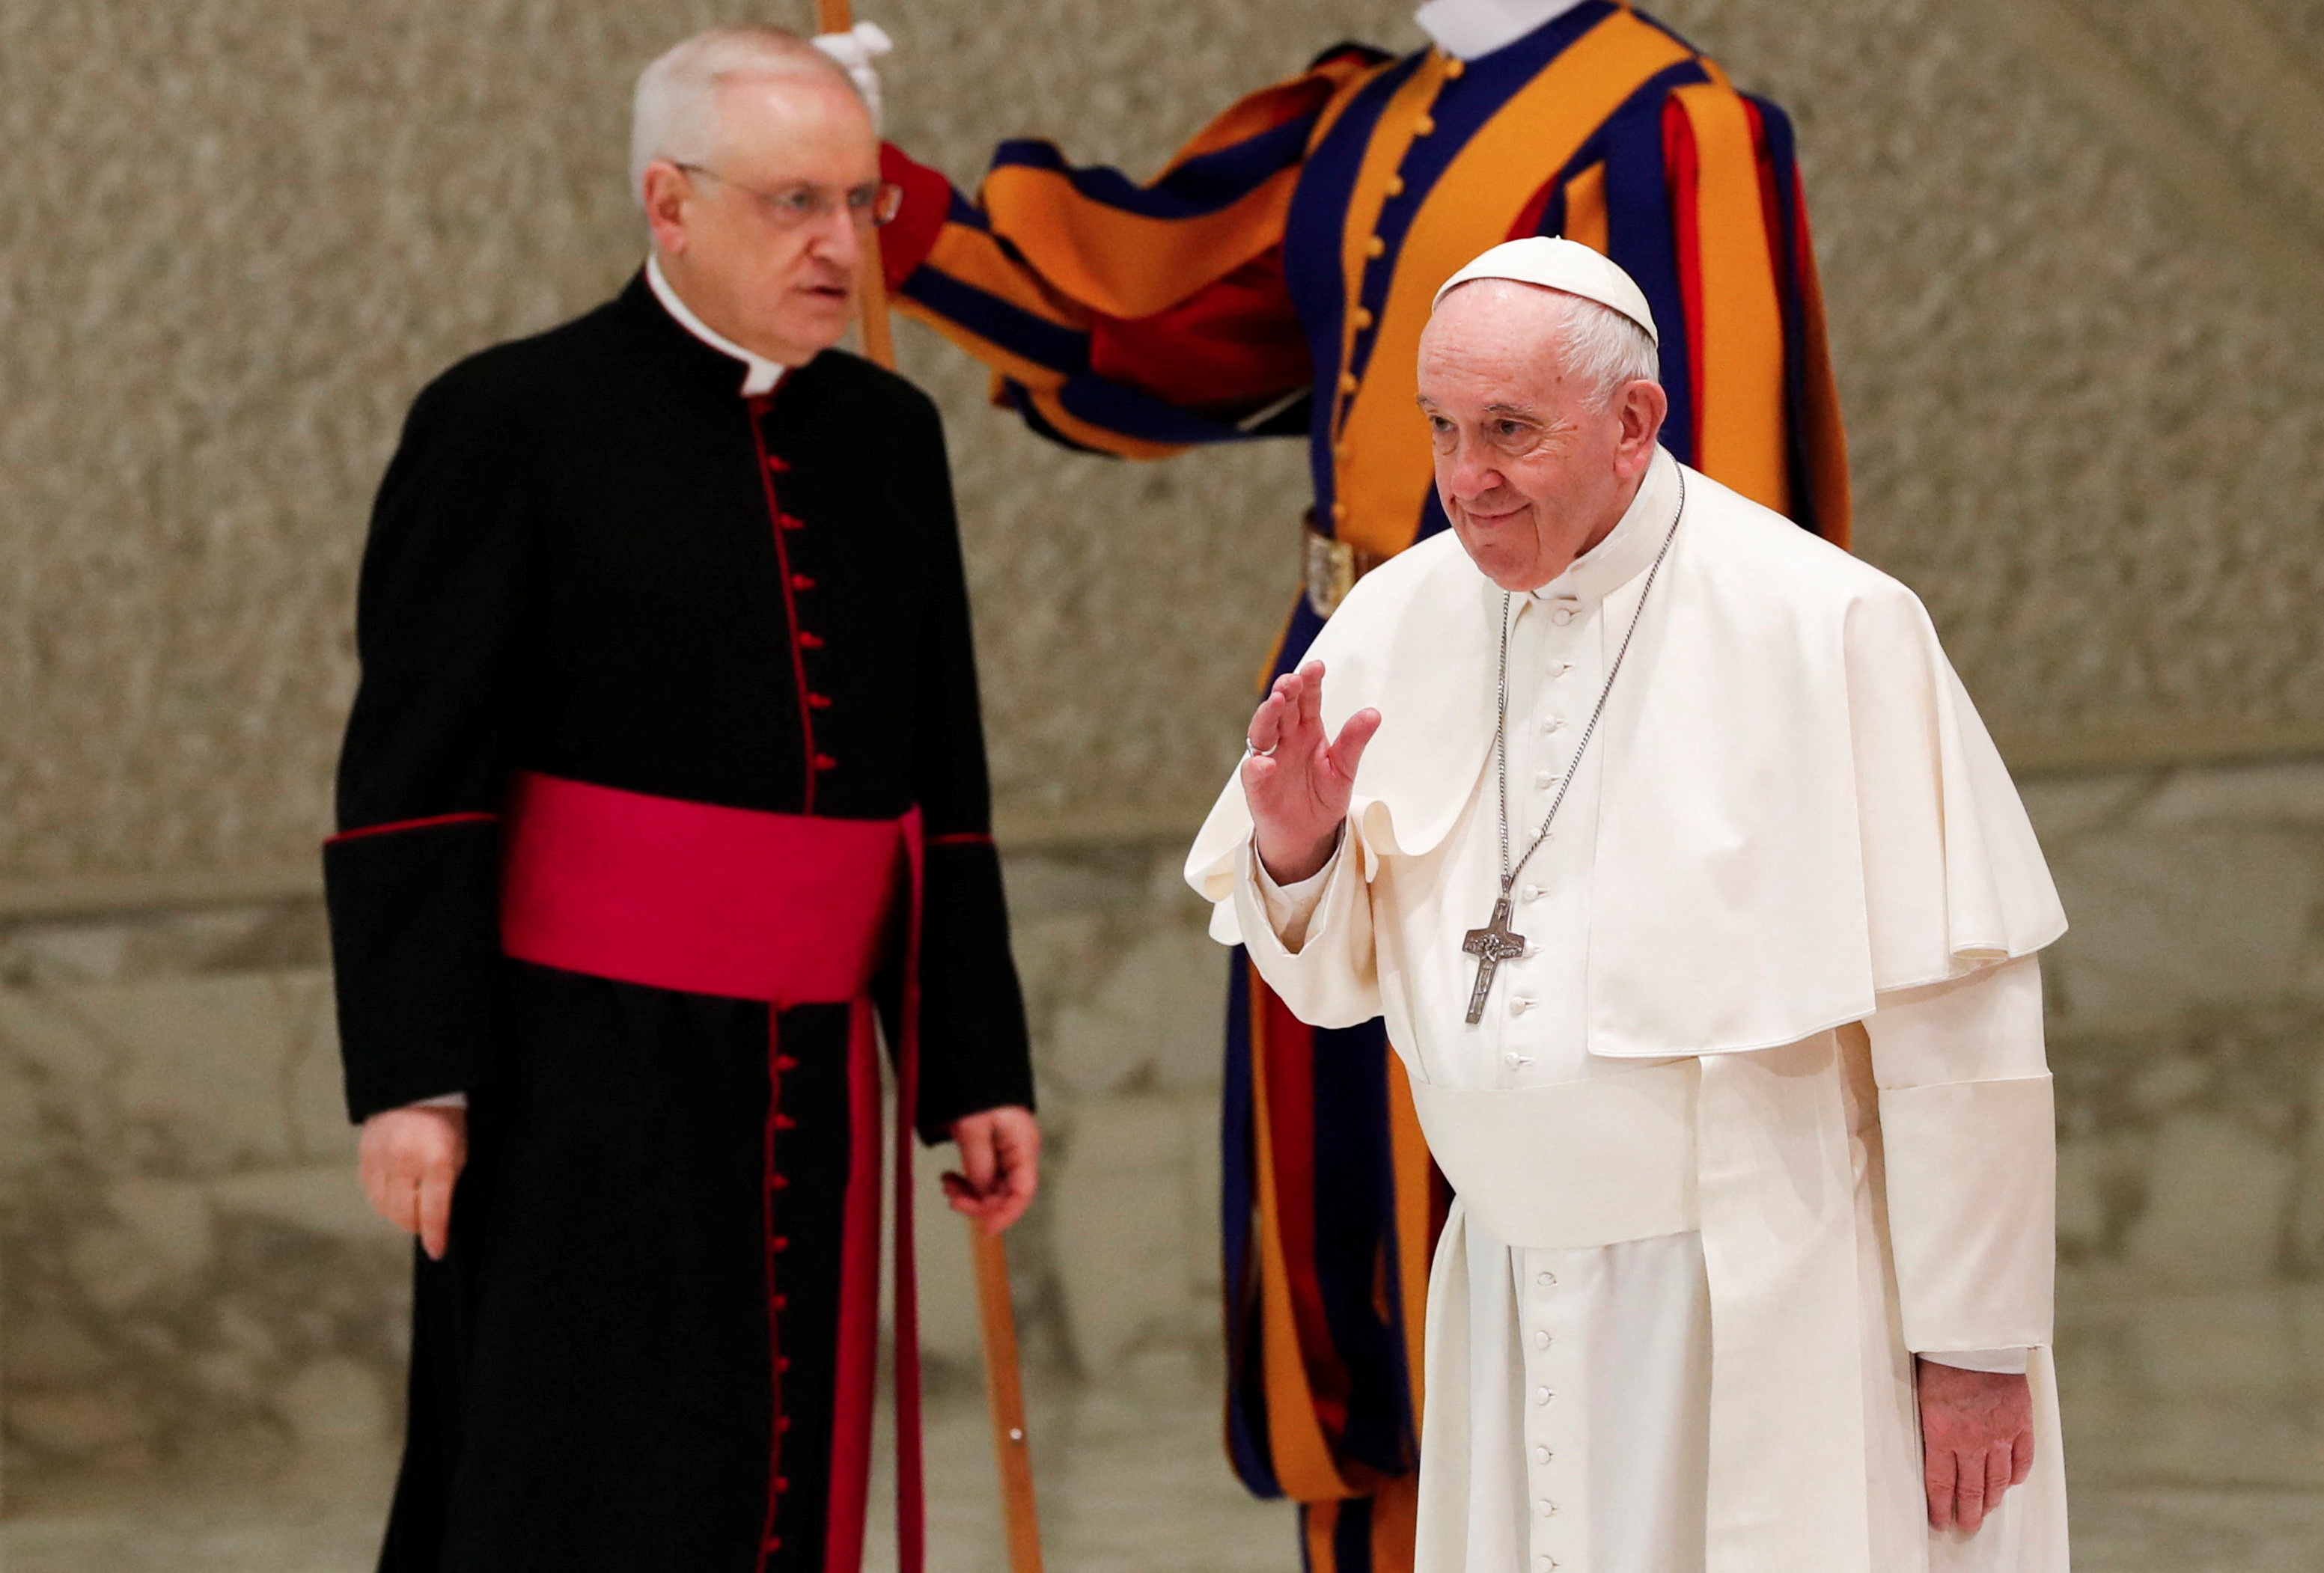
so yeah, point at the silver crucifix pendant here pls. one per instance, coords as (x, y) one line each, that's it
(1491, 945)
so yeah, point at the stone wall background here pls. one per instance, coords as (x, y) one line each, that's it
(2074, 251)
(246, 232)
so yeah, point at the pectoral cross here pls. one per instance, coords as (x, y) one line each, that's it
(1491, 945)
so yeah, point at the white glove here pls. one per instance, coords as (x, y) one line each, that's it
(855, 49)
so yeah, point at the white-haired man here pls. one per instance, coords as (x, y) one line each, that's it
(1703, 918)
(665, 782)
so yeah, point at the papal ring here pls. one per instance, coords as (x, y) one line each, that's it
(1266, 753)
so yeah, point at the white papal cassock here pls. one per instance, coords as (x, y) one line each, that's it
(1761, 1111)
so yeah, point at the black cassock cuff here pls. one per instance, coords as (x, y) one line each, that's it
(415, 946)
(974, 1050)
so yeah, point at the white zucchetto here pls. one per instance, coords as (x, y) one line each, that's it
(1556, 263)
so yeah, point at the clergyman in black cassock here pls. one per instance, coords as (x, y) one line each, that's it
(664, 777)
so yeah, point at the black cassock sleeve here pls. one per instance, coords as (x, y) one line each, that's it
(412, 878)
(974, 1051)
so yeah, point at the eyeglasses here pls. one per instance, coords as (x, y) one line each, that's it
(868, 206)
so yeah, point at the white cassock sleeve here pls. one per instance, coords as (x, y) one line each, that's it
(1312, 940)
(1969, 1126)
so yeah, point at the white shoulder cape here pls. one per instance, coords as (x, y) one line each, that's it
(1800, 808)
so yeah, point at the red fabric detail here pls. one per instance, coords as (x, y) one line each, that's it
(826, 762)
(906, 243)
(857, 1359)
(1233, 344)
(776, 1365)
(791, 521)
(779, 464)
(911, 1505)
(790, 607)
(1289, 1062)
(819, 701)
(809, 641)
(400, 825)
(800, 581)
(692, 897)
(964, 838)
(777, 908)
(1682, 170)
(1528, 221)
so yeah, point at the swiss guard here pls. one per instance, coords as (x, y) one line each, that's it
(1274, 280)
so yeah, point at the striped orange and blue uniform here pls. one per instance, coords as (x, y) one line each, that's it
(1273, 280)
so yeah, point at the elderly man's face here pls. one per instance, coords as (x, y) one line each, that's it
(1530, 473)
(758, 240)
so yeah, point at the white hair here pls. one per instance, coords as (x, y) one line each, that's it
(1599, 346)
(674, 114)
(1604, 350)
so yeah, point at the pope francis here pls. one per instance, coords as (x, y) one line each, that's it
(1703, 917)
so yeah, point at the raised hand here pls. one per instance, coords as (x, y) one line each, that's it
(1297, 780)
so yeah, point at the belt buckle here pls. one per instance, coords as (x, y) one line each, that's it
(1330, 569)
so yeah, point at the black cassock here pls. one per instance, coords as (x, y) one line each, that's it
(595, 565)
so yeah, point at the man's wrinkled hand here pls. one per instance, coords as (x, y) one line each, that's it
(1297, 777)
(411, 1160)
(1000, 1166)
(1977, 1441)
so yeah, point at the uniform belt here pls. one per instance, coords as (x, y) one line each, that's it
(1589, 1162)
(1333, 566)
(788, 908)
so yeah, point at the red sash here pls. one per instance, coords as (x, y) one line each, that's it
(790, 909)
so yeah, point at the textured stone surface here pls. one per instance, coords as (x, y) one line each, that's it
(2078, 429)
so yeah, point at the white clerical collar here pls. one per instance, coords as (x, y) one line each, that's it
(1629, 549)
(760, 374)
(1468, 28)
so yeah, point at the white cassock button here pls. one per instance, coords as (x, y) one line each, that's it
(1560, 668)
(1543, 1395)
(1562, 616)
(1546, 1563)
(1552, 723)
(1534, 893)
(1545, 1279)
(1546, 781)
(1548, 1508)
(1542, 1455)
(1516, 1062)
(1517, 1005)
(1541, 1338)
